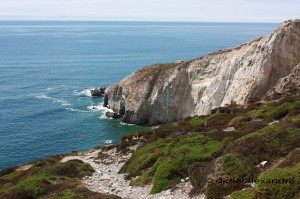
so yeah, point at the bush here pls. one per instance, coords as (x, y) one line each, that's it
(233, 167)
(237, 120)
(72, 168)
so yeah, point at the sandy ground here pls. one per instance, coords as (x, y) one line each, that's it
(106, 179)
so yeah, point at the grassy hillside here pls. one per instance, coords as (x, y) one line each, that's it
(230, 143)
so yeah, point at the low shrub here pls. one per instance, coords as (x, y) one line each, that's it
(144, 158)
(243, 194)
(232, 166)
(277, 190)
(268, 143)
(180, 154)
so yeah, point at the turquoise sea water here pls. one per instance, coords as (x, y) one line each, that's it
(47, 67)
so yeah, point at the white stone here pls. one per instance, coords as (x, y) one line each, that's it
(263, 163)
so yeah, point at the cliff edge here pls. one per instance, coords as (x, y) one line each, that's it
(163, 93)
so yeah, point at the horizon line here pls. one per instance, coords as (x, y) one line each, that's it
(128, 20)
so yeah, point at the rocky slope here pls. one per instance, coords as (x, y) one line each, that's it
(167, 92)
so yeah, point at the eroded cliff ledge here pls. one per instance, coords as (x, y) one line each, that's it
(163, 93)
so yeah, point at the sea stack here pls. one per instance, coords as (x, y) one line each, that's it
(163, 93)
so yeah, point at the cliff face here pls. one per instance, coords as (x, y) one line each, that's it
(166, 92)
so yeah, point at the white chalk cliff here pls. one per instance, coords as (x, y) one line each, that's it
(163, 93)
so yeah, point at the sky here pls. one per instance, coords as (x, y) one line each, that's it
(152, 10)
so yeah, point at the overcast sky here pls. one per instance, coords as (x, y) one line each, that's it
(152, 10)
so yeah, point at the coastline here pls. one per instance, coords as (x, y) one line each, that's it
(184, 158)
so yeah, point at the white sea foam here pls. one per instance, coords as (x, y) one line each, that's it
(43, 97)
(104, 117)
(55, 100)
(86, 92)
(126, 124)
(55, 88)
(95, 108)
(76, 110)
(108, 141)
(50, 89)
(62, 102)
(103, 111)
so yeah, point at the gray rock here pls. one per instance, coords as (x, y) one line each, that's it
(98, 91)
(112, 115)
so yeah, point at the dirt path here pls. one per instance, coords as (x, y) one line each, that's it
(106, 179)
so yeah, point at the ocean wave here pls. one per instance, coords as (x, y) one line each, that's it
(50, 89)
(95, 108)
(43, 97)
(76, 110)
(55, 100)
(108, 141)
(55, 88)
(103, 111)
(102, 117)
(86, 92)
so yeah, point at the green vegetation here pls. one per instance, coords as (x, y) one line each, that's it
(277, 188)
(169, 162)
(203, 120)
(10, 176)
(197, 147)
(144, 158)
(47, 177)
(181, 153)
(246, 194)
(233, 167)
(268, 143)
(272, 112)
(227, 167)
(237, 120)
(80, 193)
(295, 120)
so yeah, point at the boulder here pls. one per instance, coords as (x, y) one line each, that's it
(110, 114)
(98, 92)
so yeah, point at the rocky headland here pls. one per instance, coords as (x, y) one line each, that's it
(163, 93)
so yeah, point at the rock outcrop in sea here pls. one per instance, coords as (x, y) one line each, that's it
(163, 93)
(98, 92)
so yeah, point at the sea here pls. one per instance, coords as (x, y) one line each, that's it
(48, 67)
